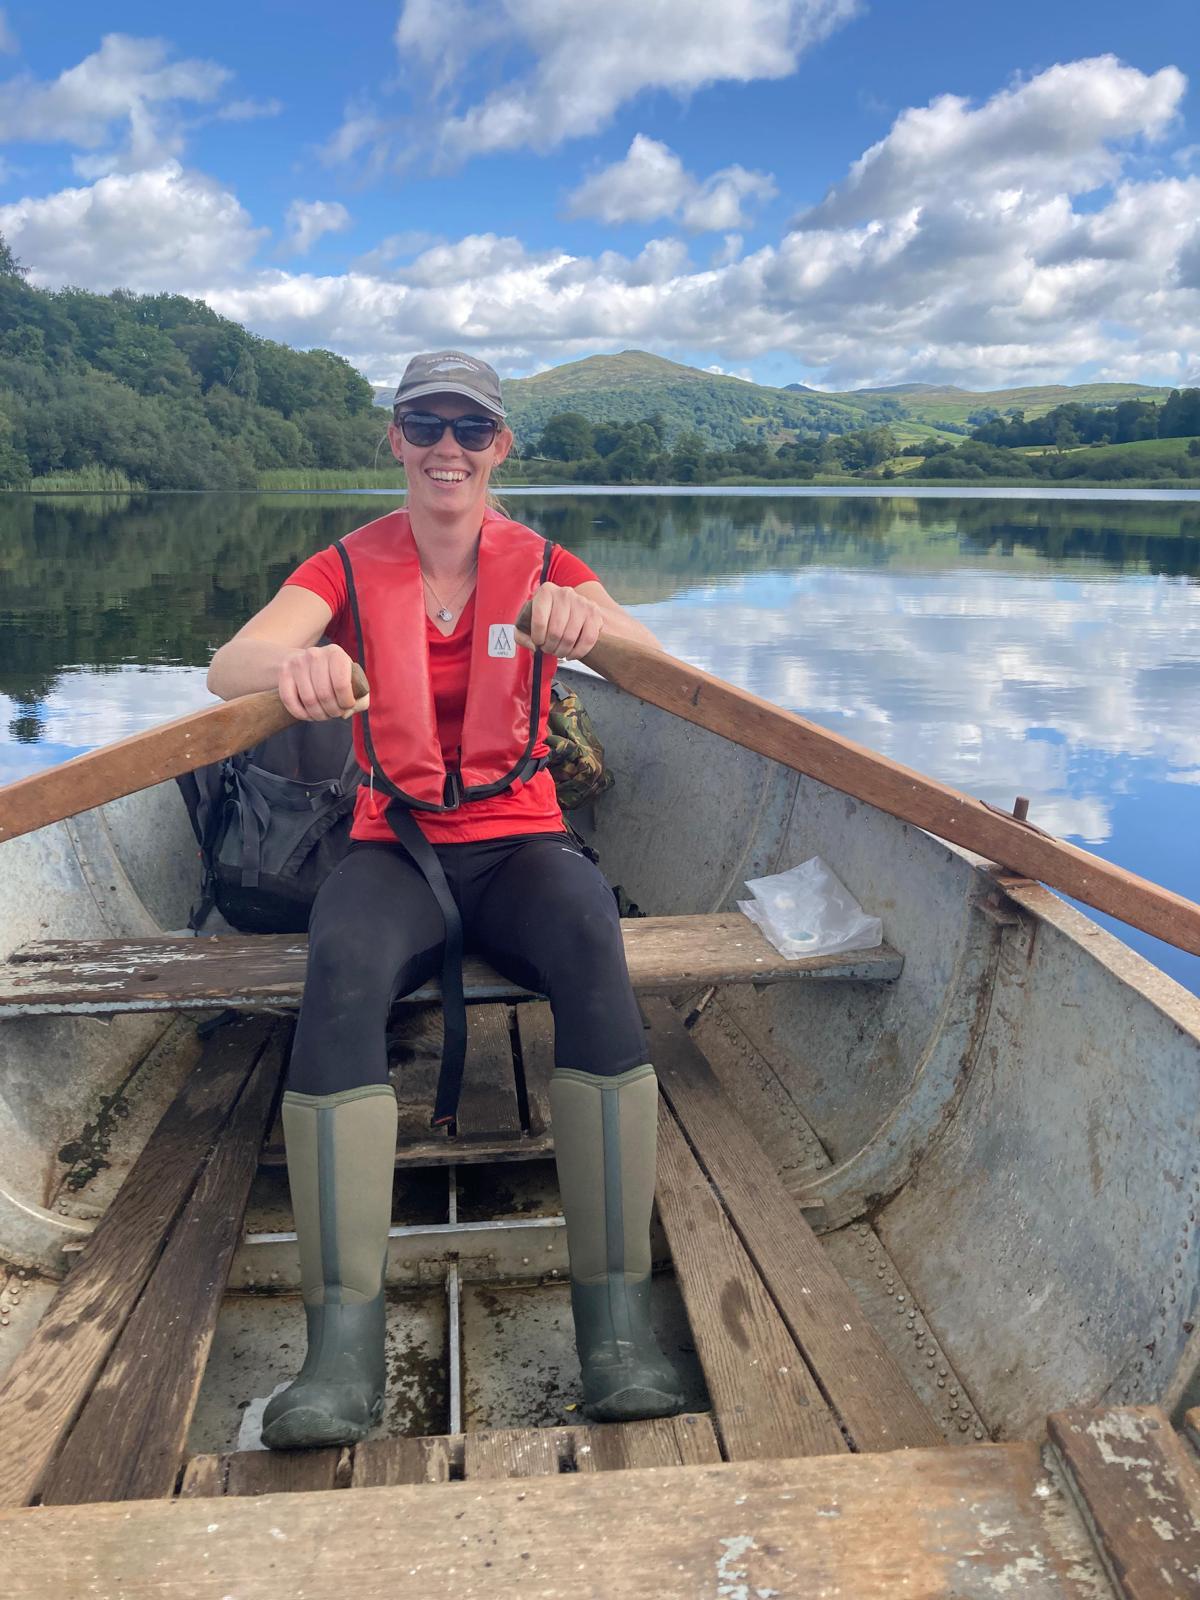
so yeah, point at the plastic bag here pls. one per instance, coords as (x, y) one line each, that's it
(806, 911)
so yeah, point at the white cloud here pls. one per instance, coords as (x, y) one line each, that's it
(248, 110)
(307, 220)
(8, 39)
(164, 228)
(651, 182)
(1052, 134)
(972, 280)
(569, 67)
(127, 90)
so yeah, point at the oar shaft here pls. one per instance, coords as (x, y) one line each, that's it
(144, 759)
(793, 741)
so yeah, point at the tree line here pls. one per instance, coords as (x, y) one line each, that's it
(161, 389)
(572, 448)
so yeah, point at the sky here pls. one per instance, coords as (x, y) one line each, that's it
(832, 192)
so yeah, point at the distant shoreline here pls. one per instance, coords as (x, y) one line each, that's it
(896, 488)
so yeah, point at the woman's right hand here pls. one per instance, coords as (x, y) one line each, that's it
(315, 686)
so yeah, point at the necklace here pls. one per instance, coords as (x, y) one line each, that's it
(444, 612)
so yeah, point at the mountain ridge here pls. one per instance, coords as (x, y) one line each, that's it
(632, 385)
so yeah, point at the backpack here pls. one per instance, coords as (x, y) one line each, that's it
(273, 822)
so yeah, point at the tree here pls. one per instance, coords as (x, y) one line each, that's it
(10, 267)
(566, 437)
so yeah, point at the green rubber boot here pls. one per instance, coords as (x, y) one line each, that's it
(341, 1151)
(605, 1138)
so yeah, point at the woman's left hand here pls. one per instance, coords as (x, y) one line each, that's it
(564, 623)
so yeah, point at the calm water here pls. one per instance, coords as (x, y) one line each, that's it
(1006, 645)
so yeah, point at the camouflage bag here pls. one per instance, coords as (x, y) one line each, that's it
(576, 754)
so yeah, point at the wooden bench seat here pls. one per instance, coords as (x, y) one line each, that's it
(926, 1524)
(266, 971)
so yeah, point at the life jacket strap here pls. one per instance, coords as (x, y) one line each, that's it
(454, 1005)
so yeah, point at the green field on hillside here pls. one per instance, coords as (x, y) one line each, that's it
(953, 405)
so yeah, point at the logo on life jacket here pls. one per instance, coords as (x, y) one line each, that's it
(501, 640)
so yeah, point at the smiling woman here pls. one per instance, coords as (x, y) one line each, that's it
(457, 838)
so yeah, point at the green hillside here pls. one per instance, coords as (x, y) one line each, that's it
(929, 403)
(635, 384)
(724, 410)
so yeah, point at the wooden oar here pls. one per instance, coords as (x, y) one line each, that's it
(793, 741)
(144, 759)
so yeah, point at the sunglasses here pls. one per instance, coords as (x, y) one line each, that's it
(424, 428)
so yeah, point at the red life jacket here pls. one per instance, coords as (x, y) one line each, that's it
(508, 692)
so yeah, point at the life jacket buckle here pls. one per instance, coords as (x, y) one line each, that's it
(452, 792)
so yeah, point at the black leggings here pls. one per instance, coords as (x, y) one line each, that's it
(534, 906)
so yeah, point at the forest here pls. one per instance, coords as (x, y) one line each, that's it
(161, 392)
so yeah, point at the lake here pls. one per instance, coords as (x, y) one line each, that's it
(1005, 644)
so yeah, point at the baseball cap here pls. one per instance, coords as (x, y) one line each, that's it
(450, 372)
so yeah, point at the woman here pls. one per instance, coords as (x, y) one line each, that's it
(456, 835)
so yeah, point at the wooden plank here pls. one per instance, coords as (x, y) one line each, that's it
(47, 1383)
(130, 1437)
(831, 758)
(973, 1523)
(657, 1442)
(535, 1030)
(140, 761)
(765, 1401)
(1191, 1425)
(203, 1478)
(267, 970)
(856, 1371)
(439, 1151)
(253, 1472)
(488, 1108)
(381, 1462)
(1142, 1492)
(514, 1453)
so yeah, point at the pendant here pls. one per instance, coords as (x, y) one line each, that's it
(445, 616)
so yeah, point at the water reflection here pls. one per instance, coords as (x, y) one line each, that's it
(1005, 646)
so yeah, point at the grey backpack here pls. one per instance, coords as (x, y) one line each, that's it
(272, 823)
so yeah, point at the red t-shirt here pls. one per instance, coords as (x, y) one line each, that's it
(533, 808)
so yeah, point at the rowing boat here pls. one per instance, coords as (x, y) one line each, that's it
(978, 1148)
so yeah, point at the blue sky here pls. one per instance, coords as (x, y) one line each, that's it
(814, 190)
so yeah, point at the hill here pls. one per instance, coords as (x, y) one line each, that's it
(106, 391)
(635, 384)
(943, 406)
(725, 411)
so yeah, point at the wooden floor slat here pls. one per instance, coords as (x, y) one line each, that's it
(657, 1442)
(488, 1108)
(494, 1453)
(856, 1371)
(267, 970)
(252, 1472)
(514, 1453)
(535, 1029)
(979, 1521)
(1142, 1490)
(48, 1382)
(380, 1462)
(128, 1440)
(765, 1401)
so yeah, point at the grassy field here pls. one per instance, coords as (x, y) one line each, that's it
(936, 406)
